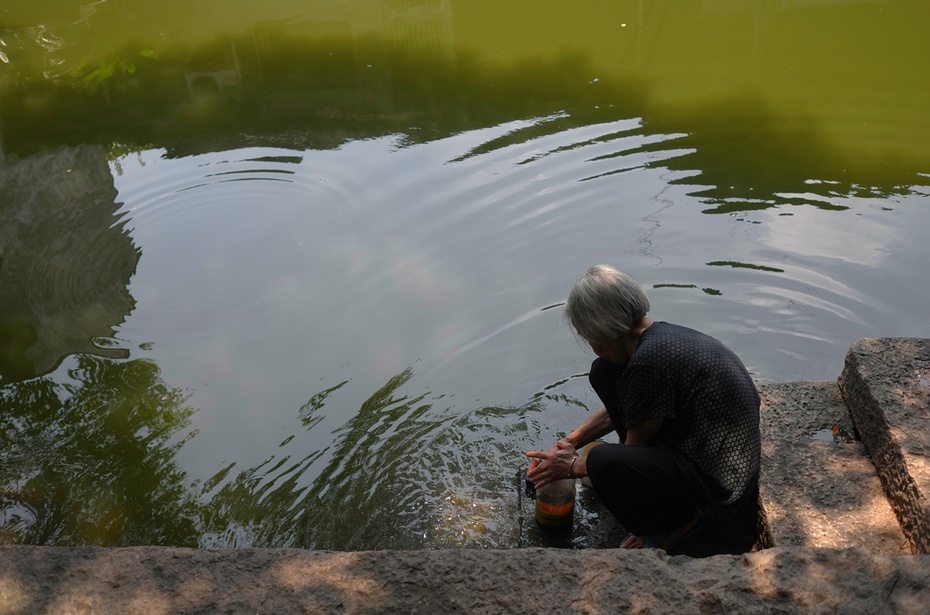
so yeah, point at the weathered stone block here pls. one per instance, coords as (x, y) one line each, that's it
(886, 385)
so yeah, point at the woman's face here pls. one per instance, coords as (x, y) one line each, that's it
(623, 346)
(617, 352)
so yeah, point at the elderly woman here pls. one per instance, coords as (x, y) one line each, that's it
(684, 406)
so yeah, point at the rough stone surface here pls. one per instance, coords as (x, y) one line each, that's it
(819, 489)
(886, 385)
(153, 581)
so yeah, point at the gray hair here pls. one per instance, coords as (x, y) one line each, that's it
(604, 304)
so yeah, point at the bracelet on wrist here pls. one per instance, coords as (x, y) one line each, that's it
(571, 467)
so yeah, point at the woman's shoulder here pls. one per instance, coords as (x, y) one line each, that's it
(663, 339)
(660, 328)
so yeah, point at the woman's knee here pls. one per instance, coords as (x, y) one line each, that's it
(599, 461)
(642, 467)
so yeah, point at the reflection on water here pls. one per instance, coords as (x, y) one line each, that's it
(400, 477)
(90, 459)
(330, 241)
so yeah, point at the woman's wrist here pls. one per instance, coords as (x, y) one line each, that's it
(579, 467)
(574, 439)
(571, 466)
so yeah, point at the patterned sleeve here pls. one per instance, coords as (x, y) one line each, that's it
(646, 393)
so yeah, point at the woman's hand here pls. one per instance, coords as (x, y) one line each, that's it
(557, 460)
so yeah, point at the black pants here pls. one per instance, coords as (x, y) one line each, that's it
(640, 485)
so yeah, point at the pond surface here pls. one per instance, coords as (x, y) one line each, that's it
(291, 273)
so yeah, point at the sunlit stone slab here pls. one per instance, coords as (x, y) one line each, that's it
(818, 486)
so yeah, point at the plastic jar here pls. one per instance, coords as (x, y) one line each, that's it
(555, 505)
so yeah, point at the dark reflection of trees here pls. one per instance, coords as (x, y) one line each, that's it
(302, 92)
(317, 85)
(92, 461)
(353, 502)
(369, 494)
(65, 260)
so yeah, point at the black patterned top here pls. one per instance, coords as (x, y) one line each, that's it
(708, 403)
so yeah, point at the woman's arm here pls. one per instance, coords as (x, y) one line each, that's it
(560, 457)
(638, 435)
(595, 426)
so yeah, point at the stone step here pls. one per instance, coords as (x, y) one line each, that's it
(886, 385)
(158, 580)
(818, 489)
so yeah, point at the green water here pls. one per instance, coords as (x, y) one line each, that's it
(289, 273)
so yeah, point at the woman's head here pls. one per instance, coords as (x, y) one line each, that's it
(604, 304)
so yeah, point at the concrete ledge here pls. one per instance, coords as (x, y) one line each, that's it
(155, 581)
(886, 385)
